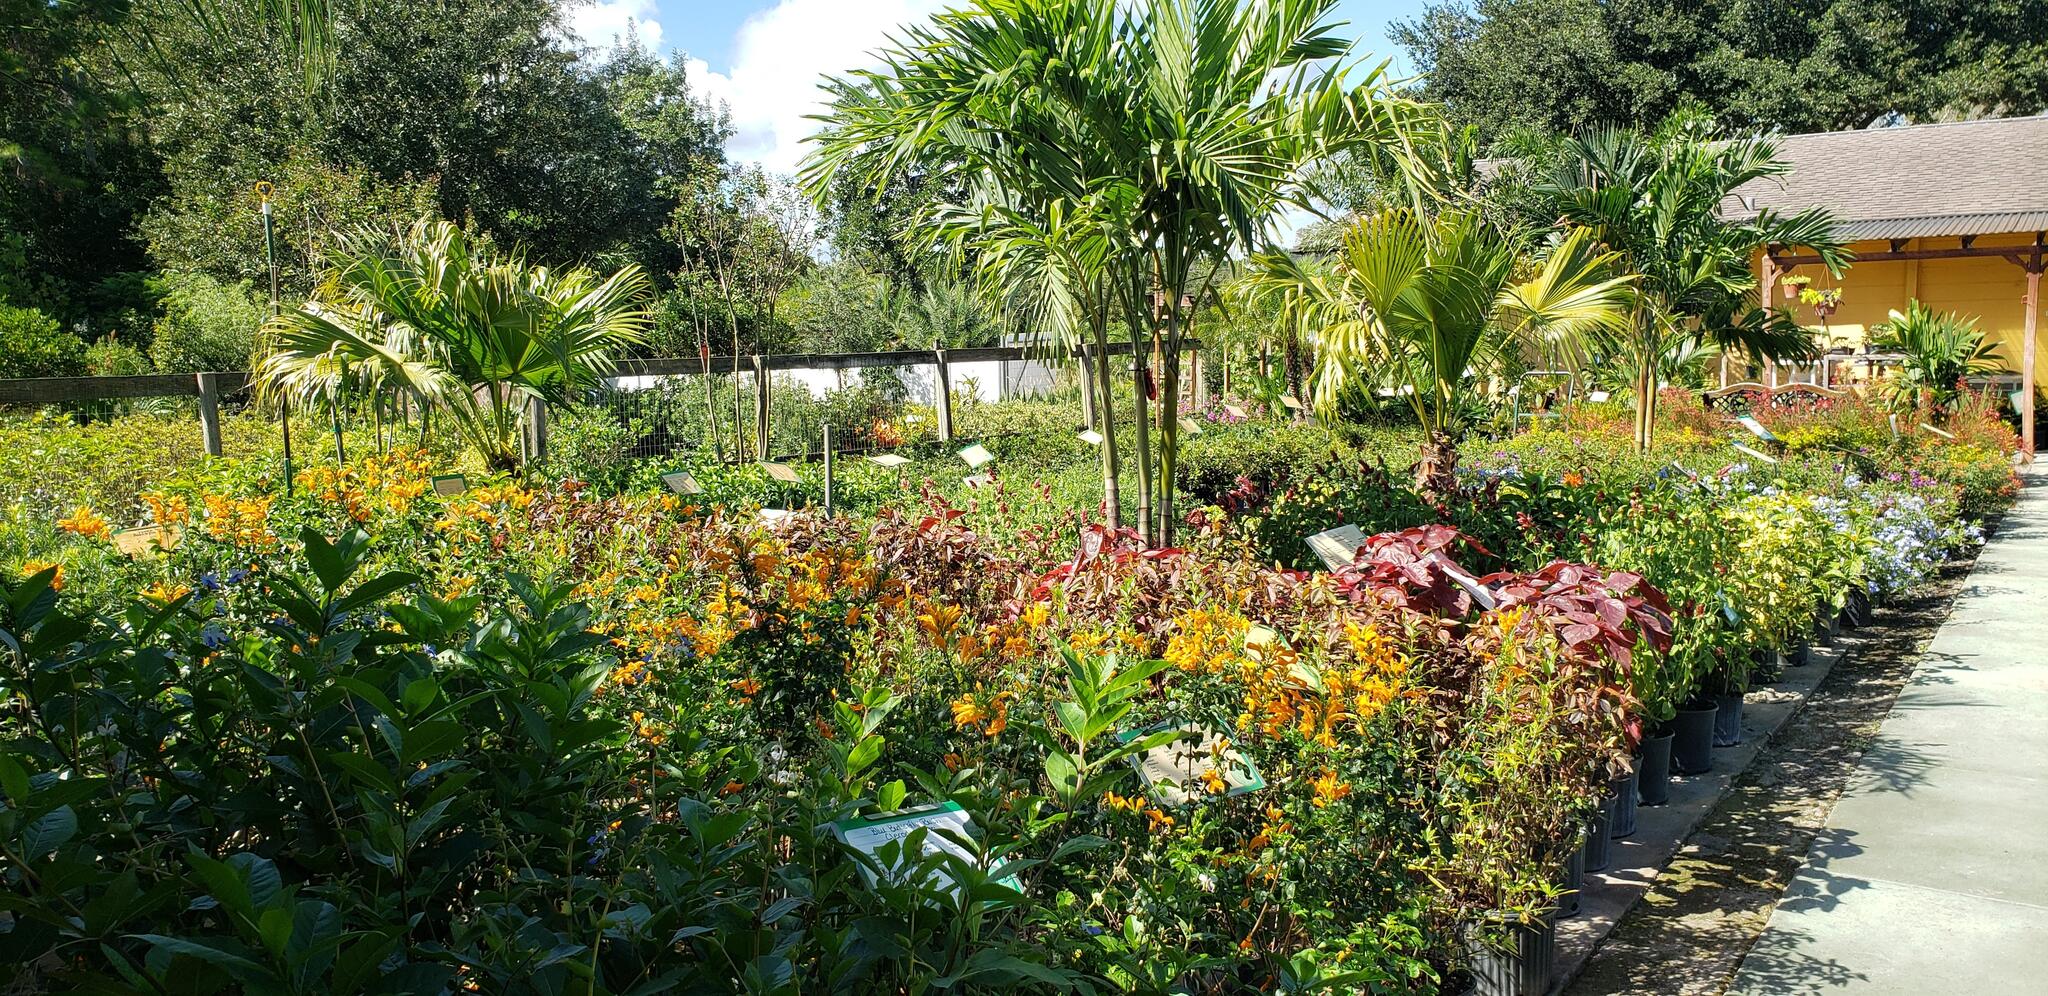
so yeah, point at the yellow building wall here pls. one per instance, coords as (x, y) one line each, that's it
(1988, 288)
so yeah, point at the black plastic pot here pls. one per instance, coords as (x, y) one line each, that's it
(1653, 771)
(1520, 968)
(1574, 880)
(1856, 609)
(1798, 656)
(1599, 846)
(1727, 720)
(1827, 626)
(1624, 794)
(1692, 739)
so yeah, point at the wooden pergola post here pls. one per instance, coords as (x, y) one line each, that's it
(2033, 300)
(1769, 270)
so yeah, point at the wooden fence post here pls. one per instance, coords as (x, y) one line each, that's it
(209, 411)
(828, 470)
(760, 407)
(943, 399)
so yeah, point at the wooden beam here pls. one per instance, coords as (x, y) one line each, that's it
(2033, 301)
(1886, 257)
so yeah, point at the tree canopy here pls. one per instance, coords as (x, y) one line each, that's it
(1791, 65)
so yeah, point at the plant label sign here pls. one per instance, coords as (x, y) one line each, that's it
(889, 459)
(1943, 433)
(1598, 397)
(1191, 427)
(884, 838)
(450, 485)
(1337, 547)
(772, 517)
(1090, 436)
(781, 471)
(1757, 429)
(1235, 412)
(1291, 401)
(977, 455)
(1760, 455)
(144, 541)
(681, 482)
(1200, 764)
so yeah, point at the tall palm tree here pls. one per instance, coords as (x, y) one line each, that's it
(1194, 119)
(1422, 305)
(1659, 200)
(457, 328)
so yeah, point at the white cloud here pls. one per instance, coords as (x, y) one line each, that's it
(781, 54)
(605, 24)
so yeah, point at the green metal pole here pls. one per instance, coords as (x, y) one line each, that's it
(284, 407)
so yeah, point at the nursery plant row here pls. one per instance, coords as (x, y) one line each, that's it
(520, 734)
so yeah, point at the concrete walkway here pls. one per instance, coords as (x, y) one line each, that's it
(1932, 873)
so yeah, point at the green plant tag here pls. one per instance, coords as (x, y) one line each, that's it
(1192, 767)
(977, 455)
(1191, 427)
(1757, 429)
(681, 482)
(781, 471)
(450, 485)
(889, 459)
(869, 835)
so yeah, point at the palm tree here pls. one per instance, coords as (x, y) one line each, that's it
(1941, 349)
(1658, 200)
(456, 328)
(1421, 305)
(1183, 126)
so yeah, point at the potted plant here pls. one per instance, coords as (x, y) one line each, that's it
(1794, 285)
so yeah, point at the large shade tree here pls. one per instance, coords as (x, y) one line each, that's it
(1662, 200)
(1167, 133)
(460, 329)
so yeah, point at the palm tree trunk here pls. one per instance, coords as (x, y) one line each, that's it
(1144, 440)
(1169, 445)
(1112, 497)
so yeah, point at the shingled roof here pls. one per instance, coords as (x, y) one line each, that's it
(1959, 178)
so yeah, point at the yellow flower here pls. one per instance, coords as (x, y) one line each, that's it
(167, 510)
(1122, 803)
(1036, 615)
(87, 523)
(1158, 820)
(163, 593)
(35, 567)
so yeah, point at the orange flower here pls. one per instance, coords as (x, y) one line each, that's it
(1158, 820)
(1122, 803)
(87, 523)
(938, 622)
(35, 567)
(747, 687)
(1328, 788)
(1573, 479)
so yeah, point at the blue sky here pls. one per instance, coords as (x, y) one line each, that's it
(762, 58)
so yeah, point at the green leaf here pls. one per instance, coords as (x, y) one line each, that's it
(49, 832)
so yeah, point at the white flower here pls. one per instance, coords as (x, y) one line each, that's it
(1206, 881)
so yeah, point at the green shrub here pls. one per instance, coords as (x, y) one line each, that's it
(108, 358)
(207, 325)
(32, 344)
